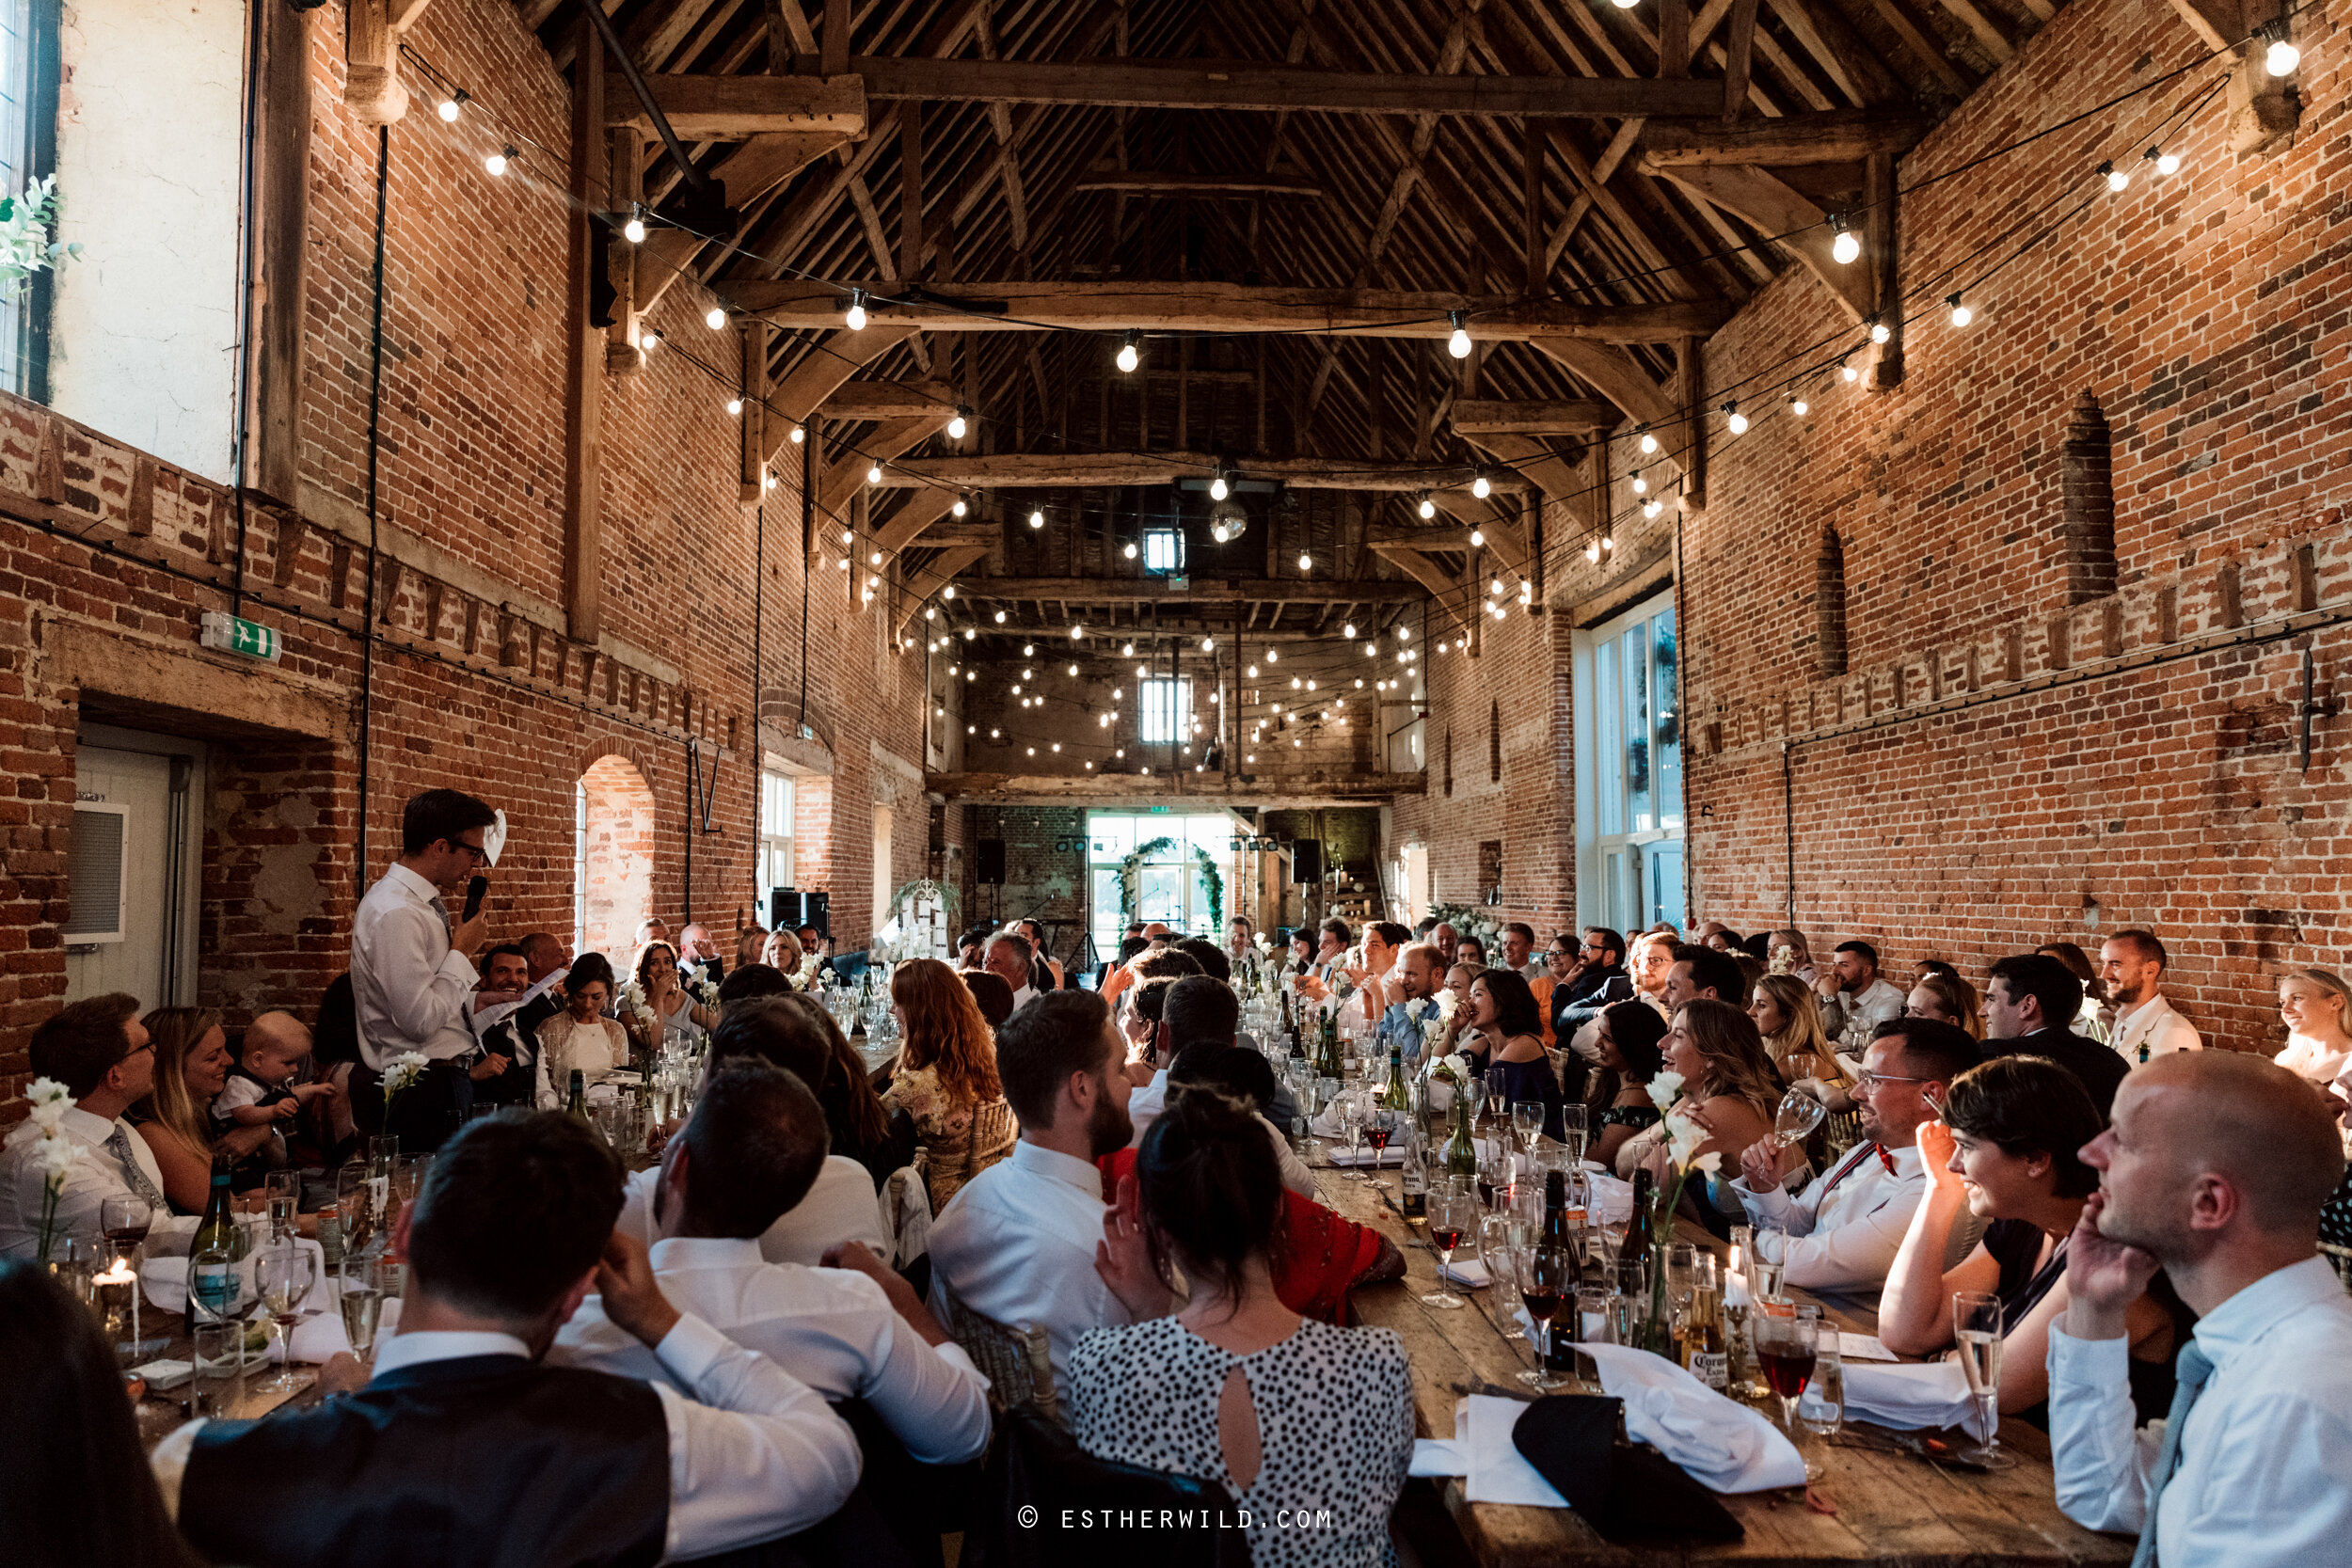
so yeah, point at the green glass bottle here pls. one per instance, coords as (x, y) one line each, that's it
(1394, 1096)
(1461, 1150)
(213, 1287)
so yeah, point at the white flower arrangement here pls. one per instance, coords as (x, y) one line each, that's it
(1416, 1007)
(707, 991)
(1782, 961)
(400, 1072)
(1456, 1068)
(1664, 1089)
(633, 999)
(1446, 1002)
(54, 1156)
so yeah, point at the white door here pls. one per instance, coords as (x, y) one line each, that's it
(131, 875)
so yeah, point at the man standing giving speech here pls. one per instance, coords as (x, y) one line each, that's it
(412, 974)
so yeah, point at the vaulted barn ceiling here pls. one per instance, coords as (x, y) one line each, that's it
(1583, 190)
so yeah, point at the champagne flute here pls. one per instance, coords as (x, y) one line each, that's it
(1451, 1216)
(1352, 1110)
(1547, 1287)
(283, 1191)
(1977, 1329)
(1527, 1118)
(1797, 1115)
(1498, 1099)
(362, 1303)
(1498, 1250)
(1574, 1134)
(282, 1274)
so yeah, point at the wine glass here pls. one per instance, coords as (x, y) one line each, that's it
(1784, 1349)
(1527, 1119)
(1574, 1134)
(282, 1274)
(1380, 1125)
(1547, 1287)
(1977, 1329)
(1497, 1248)
(364, 1287)
(125, 1221)
(283, 1191)
(1351, 1113)
(1797, 1115)
(1450, 1217)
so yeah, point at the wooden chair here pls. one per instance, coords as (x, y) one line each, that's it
(2339, 1259)
(1017, 1362)
(1840, 1131)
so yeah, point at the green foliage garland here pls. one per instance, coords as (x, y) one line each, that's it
(1130, 882)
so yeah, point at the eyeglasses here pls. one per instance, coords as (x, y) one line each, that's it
(474, 851)
(1864, 1081)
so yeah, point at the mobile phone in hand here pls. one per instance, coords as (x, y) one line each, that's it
(475, 890)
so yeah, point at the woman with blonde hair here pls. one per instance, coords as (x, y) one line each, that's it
(2313, 1006)
(782, 950)
(945, 1080)
(192, 1063)
(1944, 996)
(1789, 1016)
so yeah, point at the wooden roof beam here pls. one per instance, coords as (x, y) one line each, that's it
(1546, 417)
(890, 399)
(1086, 470)
(1841, 135)
(1150, 183)
(703, 107)
(1198, 589)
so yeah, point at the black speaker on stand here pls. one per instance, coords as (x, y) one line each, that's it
(990, 863)
(1306, 862)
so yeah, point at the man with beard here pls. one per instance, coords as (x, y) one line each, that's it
(2133, 964)
(1843, 1231)
(2214, 1169)
(1018, 1243)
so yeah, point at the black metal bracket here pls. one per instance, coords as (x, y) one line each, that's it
(705, 208)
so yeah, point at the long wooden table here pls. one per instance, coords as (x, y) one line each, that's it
(1890, 1508)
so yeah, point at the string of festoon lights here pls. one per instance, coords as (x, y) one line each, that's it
(1822, 366)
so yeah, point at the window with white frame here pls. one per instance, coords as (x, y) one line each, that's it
(1164, 708)
(1628, 768)
(775, 832)
(1163, 551)
(28, 71)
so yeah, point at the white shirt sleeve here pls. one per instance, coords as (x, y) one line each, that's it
(1856, 1255)
(2102, 1464)
(1295, 1176)
(932, 1397)
(761, 1456)
(423, 985)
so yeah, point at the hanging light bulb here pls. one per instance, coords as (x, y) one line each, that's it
(1404, 634)
(2118, 179)
(1218, 489)
(1640, 486)
(1129, 355)
(1127, 651)
(496, 162)
(1208, 644)
(1481, 487)
(2166, 163)
(873, 473)
(1028, 650)
(1495, 587)
(634, 229)
(1478, 539)
(1000, 617)
(956, 426)
(1273, 655)
(799, 435)
(1961, 315)
(948, 592)
(874, 559)
(715, 318)
(1306, 561)
(1798, 407)
(1459, 344)
(649, 341)
(958, 508)
(1130, 552)
(1735, 420)
(1649, 442)
(1348, 631)
(1879, 331)
(2281, 57)
(734, 406)
(1037, 517)
(1592, 550)
(1428, 508)
(1845, 368)
(856, 317)
(1651, 507)
(969, 633)
(451, 106)
(1075, 633)
(1847, 247)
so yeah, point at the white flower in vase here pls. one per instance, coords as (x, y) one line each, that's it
(1446, 1002)
(1665, 1088)
(50, 1103)
(1416, 1007)
(54, 1156)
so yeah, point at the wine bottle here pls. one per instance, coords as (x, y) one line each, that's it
(1394, 1096)
(1705, 1348)
(578, 1108)
(1560, 1344)
(1633, 1253)
(213, 1290)
(1461, 1150)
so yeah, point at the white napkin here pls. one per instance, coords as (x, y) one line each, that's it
(1612, 1200)
(1439, 1456)
(1723, 1446)
(1497, 1472)
(1392, 1156)
(1325, 1125)
(1912, 1394)
(1862, 1347)
(1467, 1272)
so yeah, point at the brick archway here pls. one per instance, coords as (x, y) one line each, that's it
(615, 848)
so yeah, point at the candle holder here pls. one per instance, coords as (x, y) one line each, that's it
(114, 1300)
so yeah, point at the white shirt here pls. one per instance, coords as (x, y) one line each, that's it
(97, 1175)
(1873, 1004)
(1022, 998)
(1847, 1225)
(2155, 1023)
(841, 1207)
(2267, 1446)
(411, 990)
(759, 1456)
(1016, 1244)
(2308, 1059)
(1146, 1105)
(832, 1328)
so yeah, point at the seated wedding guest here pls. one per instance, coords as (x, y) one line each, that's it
(1009, 956)
(746, 1158)
(2005, 1151)
(1414, 977)
(2213, 1169)
(990, 993)
(2131, 965)
(1372, 984)
(191, 1069)
(1018, 1245)
(1728, 1088)
(1696, 971)
(1722, 937)
(861, 1128)
(1045, 970)
(506, 1068)
(1789, 1018)
(1510, 1039)
(1301, 950)
(100, 1051)
(1443, 936)
(1457, 1035)
(752, 981)
(1853, 992)
(1649, 960)
(1470, 950)
(261, 1090)
(2091, 1021)
(2027, 998)
(698, 961)
(669, 1013)
(1518, 951)
(1787, 952)
(1619, 1105)
(652, 928)
(780, 952)
(1192, 1010)
(812, 940)
(1287, 1413)
(945, 1077)
(581, 1039)
(1559, 961)
(1139, 1024)
(74, 1485)
(750, 942)
(1842, 1233)
(1599, 960)
(464, 1443)
(1944, 996)
(842, 1206)
(2312, 1004)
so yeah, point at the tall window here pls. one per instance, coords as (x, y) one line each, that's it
(1163, 551)
(27, 72)
(775, 832)
(1165, 707)
(1628, 766)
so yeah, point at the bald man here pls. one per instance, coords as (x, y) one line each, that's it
(2213, 1169)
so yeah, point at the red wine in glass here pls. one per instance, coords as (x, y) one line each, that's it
(1377, 1137)
(1444, 1240)
(1786, 1373)
(1541, 1303)
(127, 1236)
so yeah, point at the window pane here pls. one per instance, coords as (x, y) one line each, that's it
(1114, 836)
(1108, 928)
(1669, 722)
(1664, 862)
(1163, 551)
(1635, 665)
(1163, 890)
(1166, 710)
(1613, 889)
(1610, 742)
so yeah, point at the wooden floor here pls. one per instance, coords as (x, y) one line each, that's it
(1888, 1508)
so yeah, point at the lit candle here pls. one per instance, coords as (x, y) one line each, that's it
(1735, 1282)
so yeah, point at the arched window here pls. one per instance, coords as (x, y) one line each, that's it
(613, 858)
(1494, 742)
(1829, 604)
(2086, 478)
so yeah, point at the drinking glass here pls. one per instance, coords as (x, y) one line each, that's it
(353, 1202)
(1494, 1177)
(1683, 1263)
(1597, 1314)
(1527, 1119)
(1450, 1217)
(1574, 1134)
(282, 1274)
(364, 1287)
(1381, 1124)
(1547, 1286)
(1785, 1350)
(124, 1222)
(219, 1367)
(1499, 1251)
(1352, 1109)
(1797, 1115)
(1764, 1278)
(1498, 1095)
(283, 1190)
(1977, 1329)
